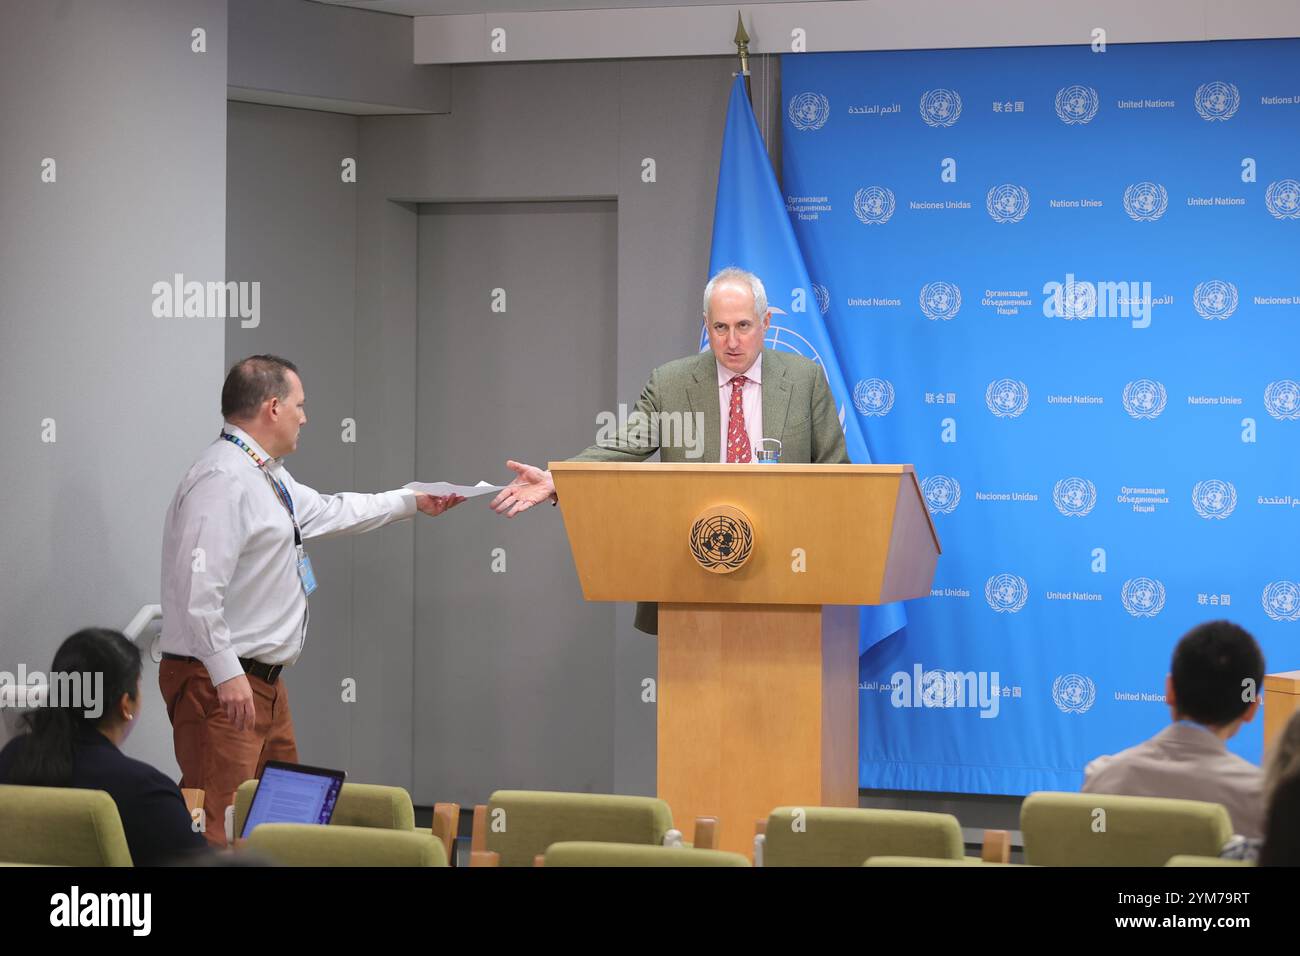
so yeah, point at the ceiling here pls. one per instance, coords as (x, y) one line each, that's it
(416, 8)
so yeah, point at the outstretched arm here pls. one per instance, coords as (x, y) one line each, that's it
(530, 487)
(636, 441)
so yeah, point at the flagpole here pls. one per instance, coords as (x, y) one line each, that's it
(742, 51)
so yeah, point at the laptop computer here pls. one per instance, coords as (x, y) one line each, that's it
(293, 793)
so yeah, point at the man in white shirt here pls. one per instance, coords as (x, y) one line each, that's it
(235, 581)
(738, 392)
(1212, 690)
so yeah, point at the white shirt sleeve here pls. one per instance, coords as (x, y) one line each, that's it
(321, 516)
(212, 529)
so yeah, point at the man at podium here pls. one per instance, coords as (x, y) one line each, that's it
(739, 392)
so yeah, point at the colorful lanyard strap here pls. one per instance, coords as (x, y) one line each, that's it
(281, 491)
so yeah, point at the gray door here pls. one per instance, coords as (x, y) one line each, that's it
(513, 670)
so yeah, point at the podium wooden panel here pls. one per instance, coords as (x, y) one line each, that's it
(758, 708)
(1281, 700)
(758, 668)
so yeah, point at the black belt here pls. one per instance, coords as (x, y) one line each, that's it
(267, 672)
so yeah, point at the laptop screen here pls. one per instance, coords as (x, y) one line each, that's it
(294, 794)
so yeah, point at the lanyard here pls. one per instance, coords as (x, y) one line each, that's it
(281, 492)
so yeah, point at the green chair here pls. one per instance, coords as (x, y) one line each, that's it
(845, 836)
(1187, 859)
(578, 853)
(1095, 829)
(307, 844)
(358, 805)
(515, 827)
(929, 861)
(61, 826)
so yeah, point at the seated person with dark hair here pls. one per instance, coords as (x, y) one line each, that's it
(1212, 689)
(67, 748)
(1282, 826)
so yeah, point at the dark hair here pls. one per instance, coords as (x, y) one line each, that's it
(1211, 664)
(1282, 825)
(252, 381)
(46, 759)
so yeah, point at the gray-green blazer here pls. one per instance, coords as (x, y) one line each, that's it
(798, 409)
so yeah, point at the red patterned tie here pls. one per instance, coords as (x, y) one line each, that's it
(737, 436)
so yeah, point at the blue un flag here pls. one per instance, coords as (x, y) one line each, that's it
(752, 230)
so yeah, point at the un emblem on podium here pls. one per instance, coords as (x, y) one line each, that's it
(722, 539)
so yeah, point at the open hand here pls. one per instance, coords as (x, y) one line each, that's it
(531, 486)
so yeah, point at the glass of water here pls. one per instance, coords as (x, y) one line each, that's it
(766, 455)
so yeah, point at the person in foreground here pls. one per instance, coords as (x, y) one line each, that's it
(235, 579)
(739, 393)
(67, 748)
(1212, 690)
(1282, 826)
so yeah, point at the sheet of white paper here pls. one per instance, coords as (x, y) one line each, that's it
(441, 489)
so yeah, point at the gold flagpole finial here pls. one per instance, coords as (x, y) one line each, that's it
(742, 45)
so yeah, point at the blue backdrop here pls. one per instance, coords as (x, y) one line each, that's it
(1064, 285)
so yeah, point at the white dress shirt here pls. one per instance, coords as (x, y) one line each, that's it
(751, 402)
(241, 595)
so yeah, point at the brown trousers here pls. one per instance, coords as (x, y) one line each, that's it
(213, 755)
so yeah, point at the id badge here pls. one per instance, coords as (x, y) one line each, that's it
(305, 572)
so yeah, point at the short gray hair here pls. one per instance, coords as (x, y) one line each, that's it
(734, 275)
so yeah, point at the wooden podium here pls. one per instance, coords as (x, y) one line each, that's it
(758, 571)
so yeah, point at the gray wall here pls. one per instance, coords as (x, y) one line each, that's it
(513, 670)
(299, 53)
(292, 225)
(136, 123)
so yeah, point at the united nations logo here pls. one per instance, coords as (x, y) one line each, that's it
(1074, 497)
(873, 397)
(808, 111)
(1146, 202)
(1217, 101)
(940, 300)
(1006, 593)
(1007, 203)
(823, 295)
(1142, 597)
(1214, 498)
(1282, 601)
(1215, 299)
(1007, 398)
(1144, 398)
(938, 688)
(942, 494)
(940, 107)
(1283, 199)
(873, 205)
(1078, 300)
(1076, 105)
(722, 539)
(1282, 399)
(1074, 693)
